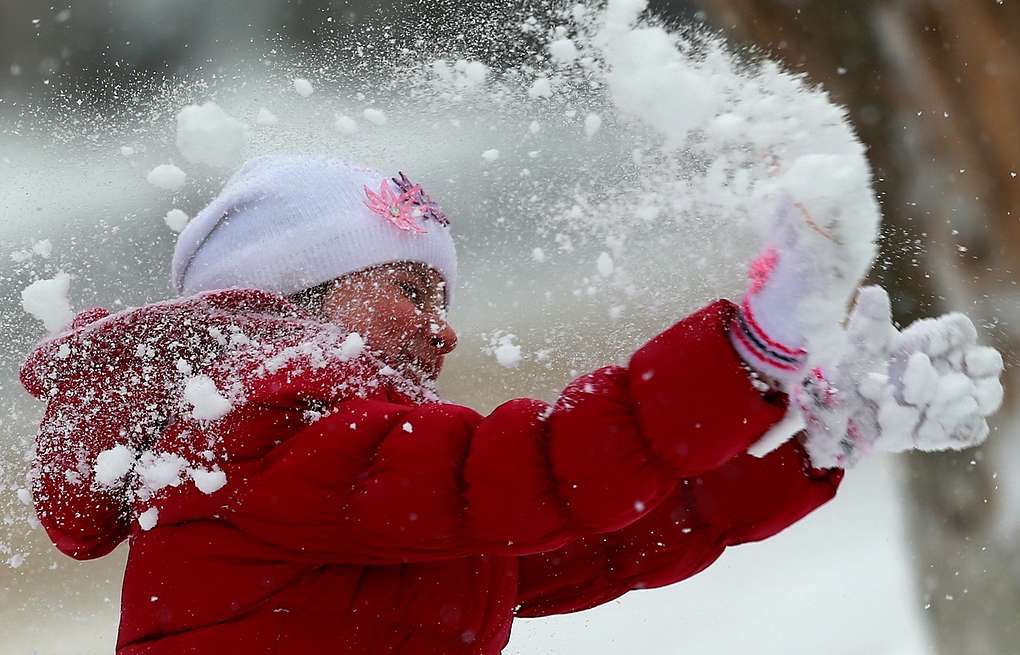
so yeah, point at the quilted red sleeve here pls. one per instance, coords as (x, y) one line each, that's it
(375, 482)
(747, 499)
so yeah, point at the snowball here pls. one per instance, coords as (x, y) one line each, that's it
(540, 88)
(208, 404)
(113, 464)
(474, 72)
(265, 118)
(592, 124)
(208, 481)
(407, 427)
(47, 301)
(604, 264)
(167, 176)
(989, 393)
(176, 220)
(148, 519)
(563, 51)
(303, 87)
(490, 155)
(208, 135)
(345, 124)
(352, 346)
(374, 116)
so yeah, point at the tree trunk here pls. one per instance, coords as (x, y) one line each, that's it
(932, 87)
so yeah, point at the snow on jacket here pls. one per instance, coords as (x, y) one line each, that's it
(336, 509)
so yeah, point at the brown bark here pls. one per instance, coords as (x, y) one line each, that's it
(932, 87)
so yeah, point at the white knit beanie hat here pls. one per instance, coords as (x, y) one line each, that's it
(285, 223)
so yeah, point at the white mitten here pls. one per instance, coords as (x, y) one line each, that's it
(800, 287)
(930, 387)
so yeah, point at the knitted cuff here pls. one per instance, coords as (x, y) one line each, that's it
(764, 354)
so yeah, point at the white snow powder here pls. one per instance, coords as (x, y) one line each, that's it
(303, 87)
(490, 155)
(113, 464)
(176, 220)
(167, 176)
(148, 519)
(345, 124)
(127, 151)
(374, 116)
(47, 301)
(538, 255)
(206, 134)
(208, 481)
(208, 404)
(592, 124)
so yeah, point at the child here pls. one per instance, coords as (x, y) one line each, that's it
(271, 445)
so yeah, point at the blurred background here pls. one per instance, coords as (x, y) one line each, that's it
(918, 554)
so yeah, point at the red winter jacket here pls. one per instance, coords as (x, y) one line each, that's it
(359, 516)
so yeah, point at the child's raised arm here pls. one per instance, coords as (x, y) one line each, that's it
(377, 482)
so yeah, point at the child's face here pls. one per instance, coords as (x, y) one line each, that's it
(399, 310)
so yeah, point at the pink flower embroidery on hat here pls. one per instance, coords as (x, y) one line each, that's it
(400, 210)
(429, 208)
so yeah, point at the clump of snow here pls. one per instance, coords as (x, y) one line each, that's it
(43, 248)
(176, 220)
(208, 481)
(592, 124)
(206, 134)
(540, 88)
(25, 497)
(490, 155)
(352, 346)
(303, 87)
(113, 464)
(345, 124)
(266, 118)
(148, 519)
(47, 300)
(407, 427)
(374, 116)
(167, 176)
(502, 347)
(157, 471)
(206, 400)
(563, 51)
(127, 151)
(605, 264)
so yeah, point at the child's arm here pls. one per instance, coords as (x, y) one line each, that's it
(375, 482)
(746, 499)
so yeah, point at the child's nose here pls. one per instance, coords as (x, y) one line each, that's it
(444, 339)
